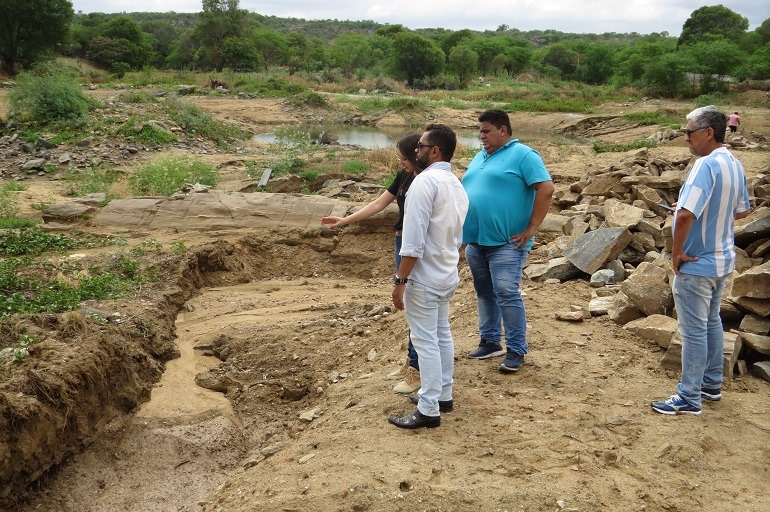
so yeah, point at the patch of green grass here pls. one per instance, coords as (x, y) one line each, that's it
(9, 203)
(33, 241)
(386, 180)
(12, 186)
(601, 147)
(32, 287)
(310, 175)
(274, 88)
(142, 129)
(16, 223)
(194, 121)
(286, 165)
(653, 118)
(405, 104)
(166, 175)
(355, 167)
(292, 137)
(137, 97)
(367, 105)
(92, 180)
(253, 169)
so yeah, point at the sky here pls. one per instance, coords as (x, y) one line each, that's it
(576, 16)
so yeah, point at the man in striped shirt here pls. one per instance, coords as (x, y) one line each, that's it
(703, 255)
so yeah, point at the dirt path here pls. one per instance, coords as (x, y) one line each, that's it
(313, 333)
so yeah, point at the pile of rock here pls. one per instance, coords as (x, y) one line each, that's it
(616, 232)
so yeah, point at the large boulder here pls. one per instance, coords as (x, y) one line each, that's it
(592, 250)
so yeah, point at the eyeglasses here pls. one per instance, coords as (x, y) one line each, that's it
(420, 145)
(690, 132)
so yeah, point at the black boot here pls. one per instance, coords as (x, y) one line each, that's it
(415, 419)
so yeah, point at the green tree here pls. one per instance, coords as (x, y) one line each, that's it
(120, 40)
(518, 57)
(350, 52)
(164, 34)
(764, 31)
(220, 20)
(487, 48)
(273, 46)
(240, 54)
(598, 64)
(757, 66)
(714, 61)
(666, 74)
(562, 58)
(29, 28)
(464, 62)
(452, 39)
(415, 57)
(714, 20)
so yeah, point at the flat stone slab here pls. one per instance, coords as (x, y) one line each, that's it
(219, 211)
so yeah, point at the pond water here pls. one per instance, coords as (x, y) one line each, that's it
(373, 138)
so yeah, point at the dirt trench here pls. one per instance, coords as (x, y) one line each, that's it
(77, 403)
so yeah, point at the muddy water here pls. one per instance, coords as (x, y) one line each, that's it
(176, 450)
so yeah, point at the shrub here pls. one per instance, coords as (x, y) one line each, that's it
(308, 99)
(49, 101)
(286, 165)
(168, 174)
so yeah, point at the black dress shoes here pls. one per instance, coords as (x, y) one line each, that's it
(443, 405)
(415, 419)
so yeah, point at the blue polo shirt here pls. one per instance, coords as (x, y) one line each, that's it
(500, 193)
(714, 191)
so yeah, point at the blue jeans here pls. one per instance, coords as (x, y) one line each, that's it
(496, 275)
(427, 312)
(697, 300)
(413, 359)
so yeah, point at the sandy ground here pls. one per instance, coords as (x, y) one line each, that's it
(312, 332)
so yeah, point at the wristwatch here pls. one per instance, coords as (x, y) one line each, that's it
(400, 280)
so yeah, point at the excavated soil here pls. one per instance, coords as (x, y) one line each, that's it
(251, 376)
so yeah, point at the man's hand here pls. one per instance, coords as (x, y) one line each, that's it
(679, 258)
(398, 296)
(522, 238)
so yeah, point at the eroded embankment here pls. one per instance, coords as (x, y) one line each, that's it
(84, 375)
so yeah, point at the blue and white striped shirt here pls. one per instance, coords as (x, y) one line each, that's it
(714, 191)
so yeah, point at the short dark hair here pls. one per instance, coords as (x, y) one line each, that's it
(710, 117)
(496, 117)
(444, 137)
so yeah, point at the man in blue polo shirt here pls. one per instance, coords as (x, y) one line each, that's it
(510, 191)
(703, 255)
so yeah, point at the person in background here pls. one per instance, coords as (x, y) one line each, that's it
(714, 194)
(510, 191)
(733, 121)
(427, 277)
(406, 146)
